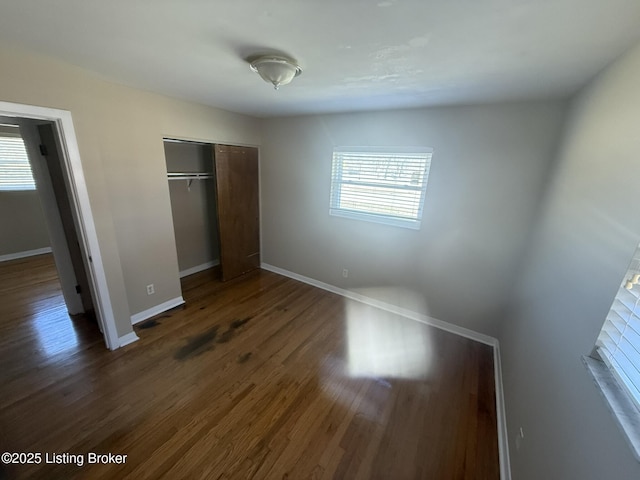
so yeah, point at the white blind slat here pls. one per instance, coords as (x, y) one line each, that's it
(630, 353)
(632, 336)
(618, 320)
(607, 344)
(628, 376)
(613, 333)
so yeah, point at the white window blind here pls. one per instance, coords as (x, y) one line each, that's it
(618, 344)
(385, 185)
(15, 170)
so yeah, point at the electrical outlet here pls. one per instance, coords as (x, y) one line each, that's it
(345, 273)
(150, 289)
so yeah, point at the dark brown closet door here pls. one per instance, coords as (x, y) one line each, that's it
(238, 209)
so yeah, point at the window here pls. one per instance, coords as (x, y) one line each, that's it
(15, 170)
(615, 362)
(618, 344)
(384, 185)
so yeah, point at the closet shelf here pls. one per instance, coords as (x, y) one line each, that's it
(189, 175)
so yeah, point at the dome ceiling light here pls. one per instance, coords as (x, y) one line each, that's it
(275, 69)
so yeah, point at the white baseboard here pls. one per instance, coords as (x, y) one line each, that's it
(198, 268)
(153, 311)
(128, 338)
(413, 315)
(25, 254)
(503, 443)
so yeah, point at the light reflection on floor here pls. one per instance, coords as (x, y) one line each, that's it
(54, 334)
(382, 344)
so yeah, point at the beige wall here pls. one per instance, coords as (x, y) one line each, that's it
(588, 231)
(22, 222)
(120, 131)
(489, 165)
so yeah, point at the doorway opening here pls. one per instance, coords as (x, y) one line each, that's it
(52, 149)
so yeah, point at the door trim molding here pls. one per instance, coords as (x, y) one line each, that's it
(128, 338)
(88, 234)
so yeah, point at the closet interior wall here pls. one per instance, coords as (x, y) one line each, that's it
(193, 205)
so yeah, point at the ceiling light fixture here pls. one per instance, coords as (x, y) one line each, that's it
(275, 69)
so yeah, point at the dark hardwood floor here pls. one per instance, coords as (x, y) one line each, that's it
(261, 377)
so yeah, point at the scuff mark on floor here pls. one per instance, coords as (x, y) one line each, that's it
(198, 344)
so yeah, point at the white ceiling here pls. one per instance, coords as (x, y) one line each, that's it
(355, 55)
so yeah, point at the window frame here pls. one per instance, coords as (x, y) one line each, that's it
(370, 216)
(621, 402)
(24, 185)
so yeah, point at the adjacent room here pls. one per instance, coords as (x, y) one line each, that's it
(390, 239)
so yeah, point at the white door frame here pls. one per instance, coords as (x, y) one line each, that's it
(82, 208)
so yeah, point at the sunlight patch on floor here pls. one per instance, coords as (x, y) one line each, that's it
(54, 336)
(382, 344)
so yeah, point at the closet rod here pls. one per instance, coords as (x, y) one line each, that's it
(189, 176)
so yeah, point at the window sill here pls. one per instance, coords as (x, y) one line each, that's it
(623, 409)
(367, 217)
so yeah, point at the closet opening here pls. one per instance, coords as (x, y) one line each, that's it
(192, 188)
(214, 191)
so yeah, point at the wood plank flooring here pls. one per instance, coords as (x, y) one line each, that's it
(261, 377)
